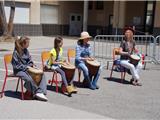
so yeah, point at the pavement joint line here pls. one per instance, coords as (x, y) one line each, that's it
(5, 70)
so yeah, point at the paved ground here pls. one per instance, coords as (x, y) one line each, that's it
(114, 100)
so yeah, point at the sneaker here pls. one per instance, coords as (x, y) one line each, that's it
(92, 87)
(138, 84)
(41, 96)
(97, 87)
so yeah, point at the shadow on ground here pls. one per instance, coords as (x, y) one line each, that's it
(118, 80)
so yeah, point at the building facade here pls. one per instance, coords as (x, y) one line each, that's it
(66, 17)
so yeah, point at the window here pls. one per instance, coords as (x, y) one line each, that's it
(149, 16)
(21, 13)
(79, 18)
(99, 5)
(72, 18)
(49, 14)
(90, 5)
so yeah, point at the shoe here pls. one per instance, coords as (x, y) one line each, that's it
(92, 87)
(74, 89)
(97, 87)
(138, 84)
(41, 96)
(134, 83)
(69, 90)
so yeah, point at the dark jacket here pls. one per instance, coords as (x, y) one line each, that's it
(20, 63)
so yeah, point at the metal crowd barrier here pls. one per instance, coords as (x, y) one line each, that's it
(146, 44)
(157, 49)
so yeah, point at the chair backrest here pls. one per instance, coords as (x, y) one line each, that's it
(7, 60)
(45, 56)
(71, 53)
(115, 52)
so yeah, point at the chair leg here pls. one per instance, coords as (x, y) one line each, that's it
(121, 77)
(52, 79)
(22, 93)
(145, 63)
(56, 82)
(107, 65)
(124, 76)
(17, 84)
(79, 75)
(2, 92)
(111, 71)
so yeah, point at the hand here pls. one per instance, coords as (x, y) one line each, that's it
(90, 59)
(64, 61)
(34, 65)
(128, 54)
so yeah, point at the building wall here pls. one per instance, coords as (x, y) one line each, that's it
(100, 17)
(98, 20)
(156, 29)
(67, 7)
(135, 12)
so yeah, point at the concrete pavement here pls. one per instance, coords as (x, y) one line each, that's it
(114, 100)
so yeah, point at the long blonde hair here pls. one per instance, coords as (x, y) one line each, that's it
(19, 44)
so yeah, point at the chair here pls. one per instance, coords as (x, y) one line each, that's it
(7, 61)
(71, 53)
(45, 56)
(115, 64)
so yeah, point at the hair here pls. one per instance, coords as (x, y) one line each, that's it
(80, 42)
(57, 41)
(19, 44)
(128, 28)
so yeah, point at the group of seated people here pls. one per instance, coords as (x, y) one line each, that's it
(21, 62)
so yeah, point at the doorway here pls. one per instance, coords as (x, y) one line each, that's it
(75, 24)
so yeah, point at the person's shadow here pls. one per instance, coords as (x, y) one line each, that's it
(53, 89)
(13, 94)
(118, 80)
(81, 84)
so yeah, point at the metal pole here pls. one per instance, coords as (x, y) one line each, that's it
(85, 15)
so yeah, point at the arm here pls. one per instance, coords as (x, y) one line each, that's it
(78, 54)
(30, 62)
(17, 63)
(90, 53)
(121, 52)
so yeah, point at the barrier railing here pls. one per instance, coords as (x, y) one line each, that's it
(146, 44)
(157, 49)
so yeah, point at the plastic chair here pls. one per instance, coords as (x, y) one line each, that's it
(45, 55)
(122, 69)
(71, 53)
(7, 61)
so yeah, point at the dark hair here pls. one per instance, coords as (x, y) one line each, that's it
(128, 28)
(80, 42)
(19, 44)
(57, 41)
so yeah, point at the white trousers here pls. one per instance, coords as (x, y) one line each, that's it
(134, 70)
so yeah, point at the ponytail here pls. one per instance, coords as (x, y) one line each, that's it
(19, 44)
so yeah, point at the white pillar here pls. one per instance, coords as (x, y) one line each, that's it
(157, 17)
(119, 14)
(35, 12)
(85, 15)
